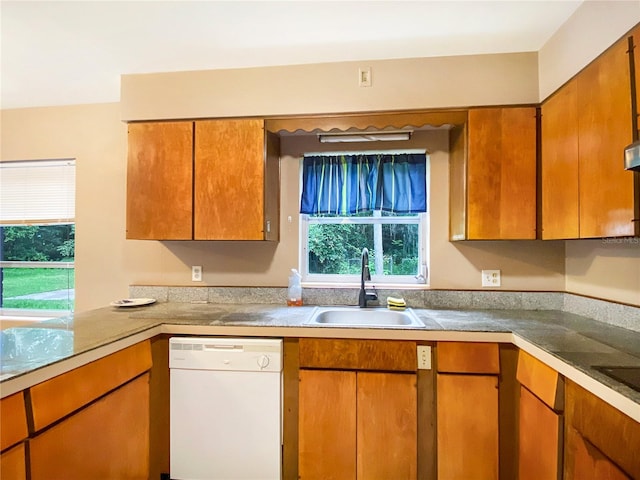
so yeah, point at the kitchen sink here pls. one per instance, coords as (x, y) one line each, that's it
(364, 317)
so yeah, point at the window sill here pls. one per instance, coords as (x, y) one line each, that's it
(379, 286)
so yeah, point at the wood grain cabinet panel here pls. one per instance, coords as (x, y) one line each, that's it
(357, 425)
(386, 426)
(13, 463)
(203, 180)
(13, 420)
(107, 440)
(608, 430)
(159, 181)
(467, 419)
(585, 191)
(234, 181)
(559, 165)
(604, 117)
(461, 357)
(586, 462)
(62, 395)
(385, 355)
(327, 425)
(501, 174)
(542, 380)
(540, 440)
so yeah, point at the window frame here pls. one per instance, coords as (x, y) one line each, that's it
(422, 279)
(62, 187)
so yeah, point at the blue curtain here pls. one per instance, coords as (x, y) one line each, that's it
(348, 184)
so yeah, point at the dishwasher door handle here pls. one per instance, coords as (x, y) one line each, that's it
(226, 348)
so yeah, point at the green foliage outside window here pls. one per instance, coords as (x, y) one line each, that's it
(336, 248)
(39, 243)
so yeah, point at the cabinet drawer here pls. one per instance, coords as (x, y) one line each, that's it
(463, 357)
(107, 440)
(381, 355)
(13, 420)
(605, 427)
(541, 380)
(58, 397)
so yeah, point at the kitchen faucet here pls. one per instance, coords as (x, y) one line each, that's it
(365, 275)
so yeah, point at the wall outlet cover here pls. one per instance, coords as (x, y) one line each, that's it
(196, 273)
(491, 278)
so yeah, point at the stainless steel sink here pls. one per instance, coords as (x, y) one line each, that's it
(363, 317)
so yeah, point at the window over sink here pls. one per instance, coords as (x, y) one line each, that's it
(372, 199)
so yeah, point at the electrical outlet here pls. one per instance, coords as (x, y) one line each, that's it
(196, 273)
(490, 278)
(424, 357)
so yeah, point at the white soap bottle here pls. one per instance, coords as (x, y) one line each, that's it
(294, 294)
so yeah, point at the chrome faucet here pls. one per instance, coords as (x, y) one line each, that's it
(364, 276)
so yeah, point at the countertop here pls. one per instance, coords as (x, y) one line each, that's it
(569, 343)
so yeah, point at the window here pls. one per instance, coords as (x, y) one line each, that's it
(37, 234)
(376, 200)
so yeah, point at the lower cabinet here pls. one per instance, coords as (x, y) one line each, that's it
(540, 437)
(540, 440)
(358, 425)
(586, 462)
(467, 427)
(13, 433)
(601, 442)
(13, 463)
(357, 417)
(106, 440)
(467, 411)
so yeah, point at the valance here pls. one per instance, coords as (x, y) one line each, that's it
(350, 184)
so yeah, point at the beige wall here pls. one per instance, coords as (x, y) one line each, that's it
(600, 268)
(95, 137)
(593, 27)
(416, 83)
(606, 268)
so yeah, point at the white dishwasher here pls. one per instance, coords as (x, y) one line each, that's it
(226, 408)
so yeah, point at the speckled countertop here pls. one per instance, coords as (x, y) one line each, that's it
(572, 344)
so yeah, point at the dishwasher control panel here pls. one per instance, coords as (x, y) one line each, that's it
(234, 354)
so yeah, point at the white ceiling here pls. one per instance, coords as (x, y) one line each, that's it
(58, 53)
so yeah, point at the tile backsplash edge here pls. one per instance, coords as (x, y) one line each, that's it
(625, 316)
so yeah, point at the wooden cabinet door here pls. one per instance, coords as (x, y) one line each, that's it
(586, 462)
(13, 463)
(327, 425)
(501, 173)
(387, 426)
(159, 181)
(540, 440)
(467, 438)
(604, 116)
(229, 180)
(108, 439)
(13, 420)
(559, 164)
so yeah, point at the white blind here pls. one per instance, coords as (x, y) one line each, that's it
(37, 192)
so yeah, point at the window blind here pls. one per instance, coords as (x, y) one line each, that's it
(37, 192)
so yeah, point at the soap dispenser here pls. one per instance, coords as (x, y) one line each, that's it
(294, 293)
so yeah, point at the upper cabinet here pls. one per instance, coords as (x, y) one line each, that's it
(203, 180)
(160, 181)
(493, 175)
(585, 191)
